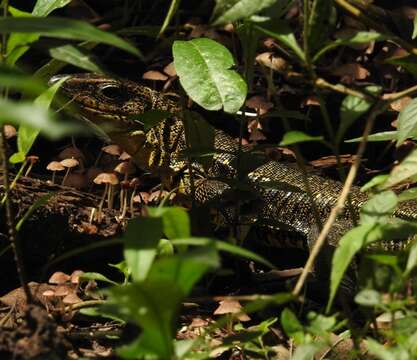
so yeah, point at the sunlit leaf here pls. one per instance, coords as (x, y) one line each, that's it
(203, 66)
(381, 136)
(368, 297)
(227, 11)
(406, 170)
(378, 208)
(45, 7)
(295, 137)
(407, 122)
(176, 223)
(64, 28)
(76, 56)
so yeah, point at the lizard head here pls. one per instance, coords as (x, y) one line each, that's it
(109, 103)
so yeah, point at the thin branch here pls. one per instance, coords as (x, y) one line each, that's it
(321, 83)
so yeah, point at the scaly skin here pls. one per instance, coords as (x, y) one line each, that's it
(108, 103)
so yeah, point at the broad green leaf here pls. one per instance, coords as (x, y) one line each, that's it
(318, 24)
(351, 109)
(407, 122)
(409, 194)
(64, 28)
(378, 208)
(415, 28)
(292, 326)
(76, 56)
(319, 324)
(13, 78)
(359, 237)
(368, 297)
(295, 137)
(35, 116)
(383, 353)
(173, 7)
(150, 118)
(375, 181)
(27, 134)
(203, 66)
(227, 11)
(282, 32)
(412, 260)
(406, 170)
(45, 7)
(361, 37)
(223, 246)
(140, 245)
(307, 351)
(98, 277)
(381, 136)
(176, 223)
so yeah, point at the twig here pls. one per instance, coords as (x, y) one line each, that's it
(340, 88)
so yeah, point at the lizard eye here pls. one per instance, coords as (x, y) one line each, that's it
(112, 92)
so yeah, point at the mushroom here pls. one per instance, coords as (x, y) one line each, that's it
(134, 183)
(9, 131)
(125, 168)
(55, 166)
(59, 278)
(124, 156)
(109, 179)
(111, 149)
(31, 160)
(124, 185)
(69, 164)
(231, 308)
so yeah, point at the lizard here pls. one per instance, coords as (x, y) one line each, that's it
(110, 103)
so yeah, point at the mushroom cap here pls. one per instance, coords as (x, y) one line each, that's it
(55, 166)
(63, 290)
(70, 163)
(32, 158)
(134, 182)
(75, 276)
(58, 278)
(71, 299)
(112, 149)
(48, 293)
(125, 167)
(154, 75)
(9, 131)
(124, 156)
(106, 178)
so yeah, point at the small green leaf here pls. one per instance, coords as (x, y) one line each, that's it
(203, 66)
(319, 23)
(307, 351)
(381, 136)
(45, 7)
(292, 326)
(140, 244)
(150, 118)
(407, 62)
(176, 223)
(227, 11)
(283, 33)
(64, 28)
(412, 260)
(15, 79)
(97, 276)
(368, 297)
(406, 170)
(173, 7)
(351, 109)
(407, 122)
(384, 353)
(409, 194)
(378, 208)
(375, 181)
(76, 56)
(295, 137)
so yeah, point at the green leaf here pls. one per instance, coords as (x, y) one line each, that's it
(173, 7)
(176, 223)
(140, 245)
(381, 136)
(227, 11)
(378, 208)
(412, 260)
(27, 134)
(406, 170)
(45, 7)
(318, 24)
(35, 116)
(15, 79)
(292, 326)
(407, 122)
(375, 181)
(64, 28)
(295, 137)
(384, 353)
(150, 118)
(76, 56)
(223, 246)
(97, 276)
(307, 351)
(368, 297)
(351, 109)
(203, 66)
(282, 32)
(409, 194)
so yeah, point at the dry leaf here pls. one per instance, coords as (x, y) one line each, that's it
(154, 75)
(350, 72)
(271, 61)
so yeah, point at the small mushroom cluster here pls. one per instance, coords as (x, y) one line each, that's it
(65, 291)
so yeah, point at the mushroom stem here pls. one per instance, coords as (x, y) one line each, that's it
(53, 177)
(65, 176)
(29, 169)
(100, 206)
